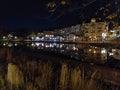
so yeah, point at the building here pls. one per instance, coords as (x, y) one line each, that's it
(72, 37)
(114, 34)
(95, 31)
(48, 35)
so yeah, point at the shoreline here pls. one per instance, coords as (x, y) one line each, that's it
(79, 42)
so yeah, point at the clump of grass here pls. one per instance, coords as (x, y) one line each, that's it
(76, 79)
(30, 86)
(45, 79)
(64, 77)
(14, 76)
(2, 83)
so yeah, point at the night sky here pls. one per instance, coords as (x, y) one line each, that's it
(36, 14)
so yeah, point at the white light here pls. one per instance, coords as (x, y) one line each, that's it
(37, 44)
(4, 44)
(46, 46)
(51, 45)
(42, 44)
(46, 36)
(111, 54)
(16, 44)
(15, 37)
(32, 38)
(74, 37)
(61, 45)
(112, 31)
(74, 48)
(42, 38)
(103, 51)
(32, 44)
(4, 37)
(10, 45)
(104, 35)
(113, 50)
(37, 38)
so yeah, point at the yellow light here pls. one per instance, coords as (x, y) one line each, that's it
(51, 4)
(89, 50)
(94, 52)
(51, 10)
(63, 2)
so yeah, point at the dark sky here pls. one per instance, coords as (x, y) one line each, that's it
(34, 14)
(24, 14)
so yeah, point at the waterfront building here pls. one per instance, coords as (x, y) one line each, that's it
(48, 35)
(114, 34)
(95, 31)
(72, 37)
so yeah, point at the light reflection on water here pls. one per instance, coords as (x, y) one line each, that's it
(35, 68)
(87, 53)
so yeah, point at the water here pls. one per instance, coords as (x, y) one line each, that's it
(59, 66)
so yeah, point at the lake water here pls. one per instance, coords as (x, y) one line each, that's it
(59, 66)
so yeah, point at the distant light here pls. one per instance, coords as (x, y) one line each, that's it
(15, 37)
(63, 2)
(93, 20)
(51, 4)
(16, 44)
(4, 44)
(46, 46)
(32, 38)
(4, 37)
(37, 38)
(89, 50)
(10, 45)
(104, 35)
(42, 44)
(61, 45)
(32, 45)
(74, 48)
(112, 31)
(113, 50)
(42, 38)
(9, 35)
(54, 44)
(37, 44)
(111, 54)
(94, 52)
(103, 51)
(51, 45)
(46, 35)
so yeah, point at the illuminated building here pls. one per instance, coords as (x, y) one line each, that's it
(114, 34)
(95, 31)
(48, 35)
(72, 37)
